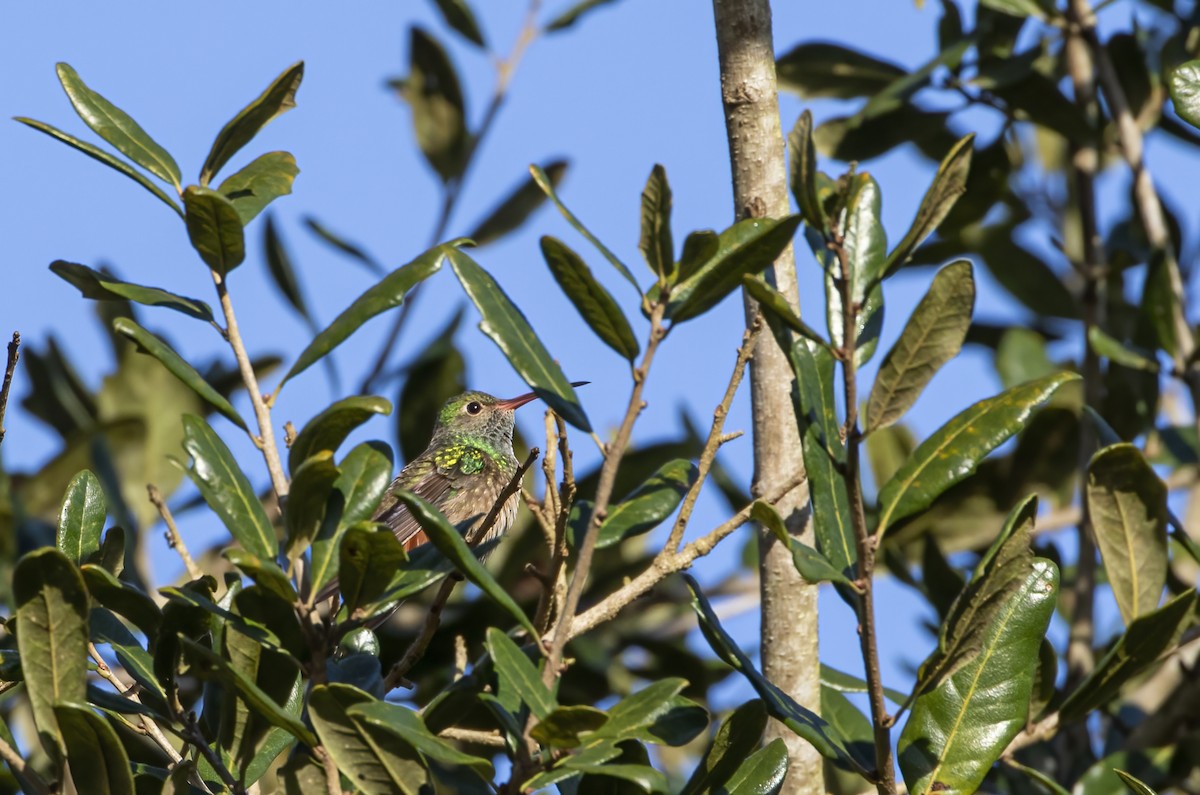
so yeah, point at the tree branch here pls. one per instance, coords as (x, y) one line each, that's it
(14, 353)
(174, 539)
(20, 768)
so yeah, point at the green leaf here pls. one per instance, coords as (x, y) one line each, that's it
(849, 721)
(949, 183)
(517, 675)
(747, 247)
(407, 725)
(812, 565)
(329, 429)
(504, 323)
(123, 598)
(657, 714)
(226, 489)
(278, 98)
(96, 753)
(81, 520)
(846, 683)
(459, 16)
(264, 572)
(1019, 8)
(955, 449)
(96, 153)
(51, 605)
(515, 208)
(367, 560)
(1021, 357)
(1117, 352)
(734, 742)
(1144, 641)
(960, 728)
(447, 539)
(656, 243)
(179, 368)
(572, 15)
(261, 182)
(823, 737)
(388, 293)
(1127, 503)
(594, 304)
(864, 241)
(762, 772)
(1135, 785)
(343, 245)
(375, 760)
(868, 321)
(777, 304)
(115, 126)
(100, 286)
(649, 504)
(1026, 276)
(562, 726)
(802, 168)
(435, 97)
(547, 185)
(932, 336)
(279, 264)
(137, 662)
(308, 496)
(698, 248)
(1184, 85)
(215, 229)
(211, 665)
(830, 70)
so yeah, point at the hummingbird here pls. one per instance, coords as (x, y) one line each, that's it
(468, 462)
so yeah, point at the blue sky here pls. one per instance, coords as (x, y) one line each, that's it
(633, 85)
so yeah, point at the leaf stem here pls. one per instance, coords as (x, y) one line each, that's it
(266, 440)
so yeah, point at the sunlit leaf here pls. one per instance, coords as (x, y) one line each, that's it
(123, 598)
(655, 242)
(81, 520)
(364, 476)
(367, 560)
(949, 183)
(777, 304)
(215, 229)
(259, 183)
(518, 674)
(352, 250)
(278, 98)
(802, 169)
(100, 286)
(329, 429)
(308, 495)
(1184, 85)
(591, 300)
(407, 725)
(735, 740)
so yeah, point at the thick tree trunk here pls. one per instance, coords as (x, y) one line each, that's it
(789, 606)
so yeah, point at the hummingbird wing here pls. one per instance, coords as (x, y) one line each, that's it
(431, 486)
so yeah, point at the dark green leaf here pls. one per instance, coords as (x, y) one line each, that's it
(949, 183)
(264, 572)
(822, 69)
(215, 229)
(649, 504)
(547, 185)
(777, 304)
(102, 287)
(1030, 280)
(1135, 785)
(179, 368)
(375, 760)
(849, 721)
(517, 206)
(1019, 8)
(433, 93)
(226, 489)
(124, 599)
(517, 675)
(1185, 91)
(812, 565)
(459, 16)
(698, 248)
(802, 721)
(351, 250)
(447, 539)
(279, 265)
(656, 243)
(137, 662)
(959, 729)
(115, 126)
(735, 740)
(96, 153)
(863, 138)
(562, 726)
(96, 753)
(762, 772)
(569, 17)
(407, 725)
(264, 180)
(932, 336)
(1127, 504)
(845, 683)
(51, 605)
(863, 238)
(802, 168)
(388, 293)
(657, 714)
(747, 247)
(308, 496)
(329, 429)
(594, 304)
(1119, 353)
(278, 98)
(955, 449)
(504, 323)
(367, 560)
(81, 520)
(1144, 641)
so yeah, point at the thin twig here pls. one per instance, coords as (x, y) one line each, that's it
(470, 736)
(191, 734)
(608, 474)
(14, 353)
(333, 779)
(174, 539)
(716, 435)
(266, 439)
(20, 768)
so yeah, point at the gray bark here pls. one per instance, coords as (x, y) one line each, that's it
(756, 152)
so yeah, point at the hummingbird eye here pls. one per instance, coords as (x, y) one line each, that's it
(474, 407)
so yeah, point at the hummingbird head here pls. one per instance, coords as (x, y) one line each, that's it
(479, 416)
